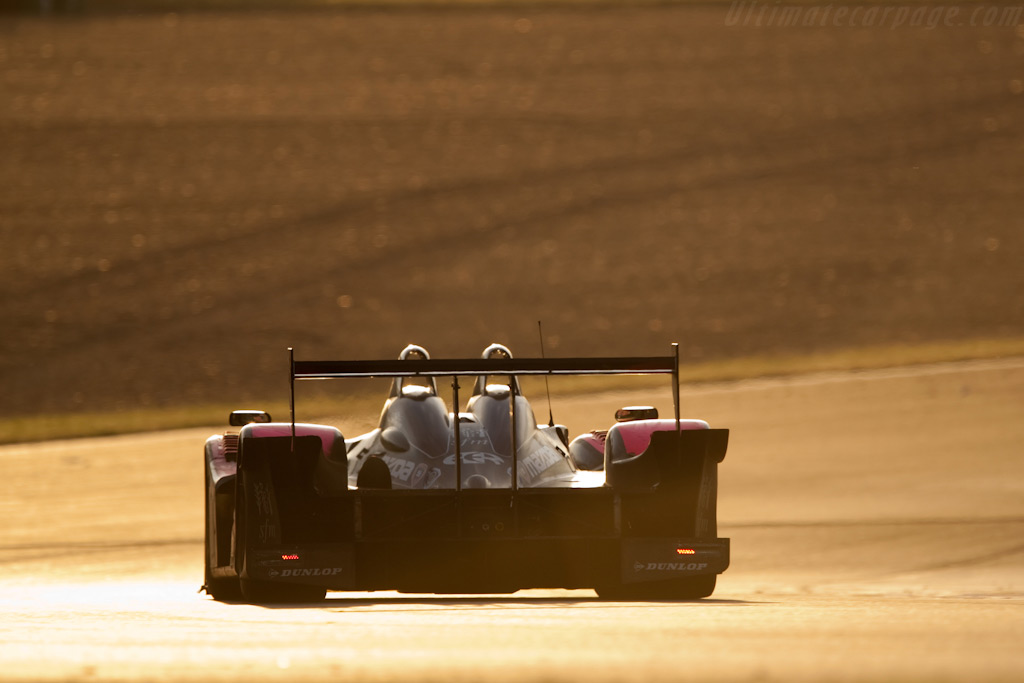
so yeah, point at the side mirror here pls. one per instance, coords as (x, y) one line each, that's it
(630, 413)
(240, 418)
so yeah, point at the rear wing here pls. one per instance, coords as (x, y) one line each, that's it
(459, 367)
(463, 367)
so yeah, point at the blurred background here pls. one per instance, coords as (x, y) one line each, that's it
(186, 190)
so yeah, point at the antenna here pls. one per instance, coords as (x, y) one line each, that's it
(551, 415)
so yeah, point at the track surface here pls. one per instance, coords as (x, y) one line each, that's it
(877, 523)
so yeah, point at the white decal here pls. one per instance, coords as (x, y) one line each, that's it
(476, 458)
(261, 493)
(433, 476)
(329, 571)
(474, 437)
(672, 566)
(400, 469)
(418, 474)
(537, 462)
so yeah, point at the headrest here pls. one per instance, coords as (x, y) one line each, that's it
(416, 391)
(497, 391)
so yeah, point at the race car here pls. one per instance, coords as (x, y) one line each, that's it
(440, 499)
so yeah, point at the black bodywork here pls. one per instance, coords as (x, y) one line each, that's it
(417, 505)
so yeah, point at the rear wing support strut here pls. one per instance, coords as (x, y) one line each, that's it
(675, 386)
(458, 435)
(291, 360)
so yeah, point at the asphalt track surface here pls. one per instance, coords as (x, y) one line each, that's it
(877, 521)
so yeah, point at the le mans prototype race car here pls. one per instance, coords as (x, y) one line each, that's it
(433, 500)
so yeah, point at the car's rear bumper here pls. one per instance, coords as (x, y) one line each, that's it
(498, 565)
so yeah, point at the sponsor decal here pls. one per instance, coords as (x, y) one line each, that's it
(474, 437)
(326, 571)
(476, 458)
(536, 462)
(418, 474)
(263, 498)
(261, 494)
(669, 566)
(319, 571)
(432, 476)
(402, 470)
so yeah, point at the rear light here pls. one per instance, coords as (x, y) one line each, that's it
(685, 551)
(289, 557)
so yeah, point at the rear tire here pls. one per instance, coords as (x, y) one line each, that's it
(690, 588)
(225, 589)
(265, 592)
